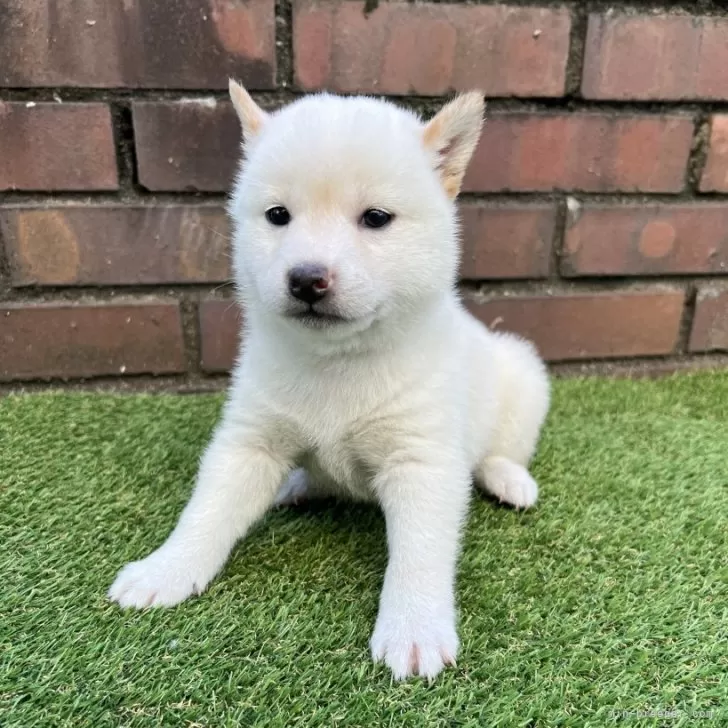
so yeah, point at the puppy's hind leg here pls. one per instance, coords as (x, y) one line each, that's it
(523, 401)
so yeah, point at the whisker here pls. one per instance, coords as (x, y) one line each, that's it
(216, 232)
(232, 304)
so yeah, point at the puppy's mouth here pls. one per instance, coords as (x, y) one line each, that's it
(317, 319)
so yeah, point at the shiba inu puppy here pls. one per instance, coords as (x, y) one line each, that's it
(361, 373)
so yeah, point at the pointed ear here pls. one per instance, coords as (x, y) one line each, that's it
(452, 135)
(251, 116)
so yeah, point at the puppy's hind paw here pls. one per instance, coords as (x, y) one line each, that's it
(509, 482)
(295, 490)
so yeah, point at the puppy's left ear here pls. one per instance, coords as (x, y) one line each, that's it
(452, 134)
(252, 117)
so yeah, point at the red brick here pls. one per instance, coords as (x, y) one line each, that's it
(190, 145)
(46, 340)
(715, 174)
(137, 43)
(102, 245)
(589, 152)
(220, 329)
(666, 57)
(590, 325)
(629, 240)
(430, 48)
(47, 146)
(710, 322)
(506, 241)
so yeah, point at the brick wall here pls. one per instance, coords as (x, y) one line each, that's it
(595, 211)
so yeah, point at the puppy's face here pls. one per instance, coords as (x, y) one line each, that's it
(344, 207)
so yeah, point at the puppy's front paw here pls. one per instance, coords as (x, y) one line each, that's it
(411, 645)
(165, 578)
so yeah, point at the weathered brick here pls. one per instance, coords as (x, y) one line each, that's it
(715, 173)
(590, 326)
(628, 240)
(220, 329)
(102, 245)
(588, 152)
(430, 48)
(710, 322)
(137, 43)
(188, 145)
(656, 57)
(506, 240)
(47, 340)
(47, 146)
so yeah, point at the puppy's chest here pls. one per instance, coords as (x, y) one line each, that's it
(348, 426)
(339, 467)
(348, 456)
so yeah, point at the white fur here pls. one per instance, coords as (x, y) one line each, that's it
(405, 404)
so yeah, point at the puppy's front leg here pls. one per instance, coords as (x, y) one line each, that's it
(239, 476)
(424, 506)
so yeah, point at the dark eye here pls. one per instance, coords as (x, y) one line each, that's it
(278, 215)
(375, 218)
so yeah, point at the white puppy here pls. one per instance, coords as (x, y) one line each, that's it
(359, 362)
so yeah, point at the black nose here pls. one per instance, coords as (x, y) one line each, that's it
(309, 282)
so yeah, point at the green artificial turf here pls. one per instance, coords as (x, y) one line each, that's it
(612, 595)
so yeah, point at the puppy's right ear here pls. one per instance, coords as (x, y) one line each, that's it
(252, 117)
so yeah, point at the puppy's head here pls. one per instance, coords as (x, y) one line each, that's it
(343, 210)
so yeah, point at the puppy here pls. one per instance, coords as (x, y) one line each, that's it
(361, 373)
